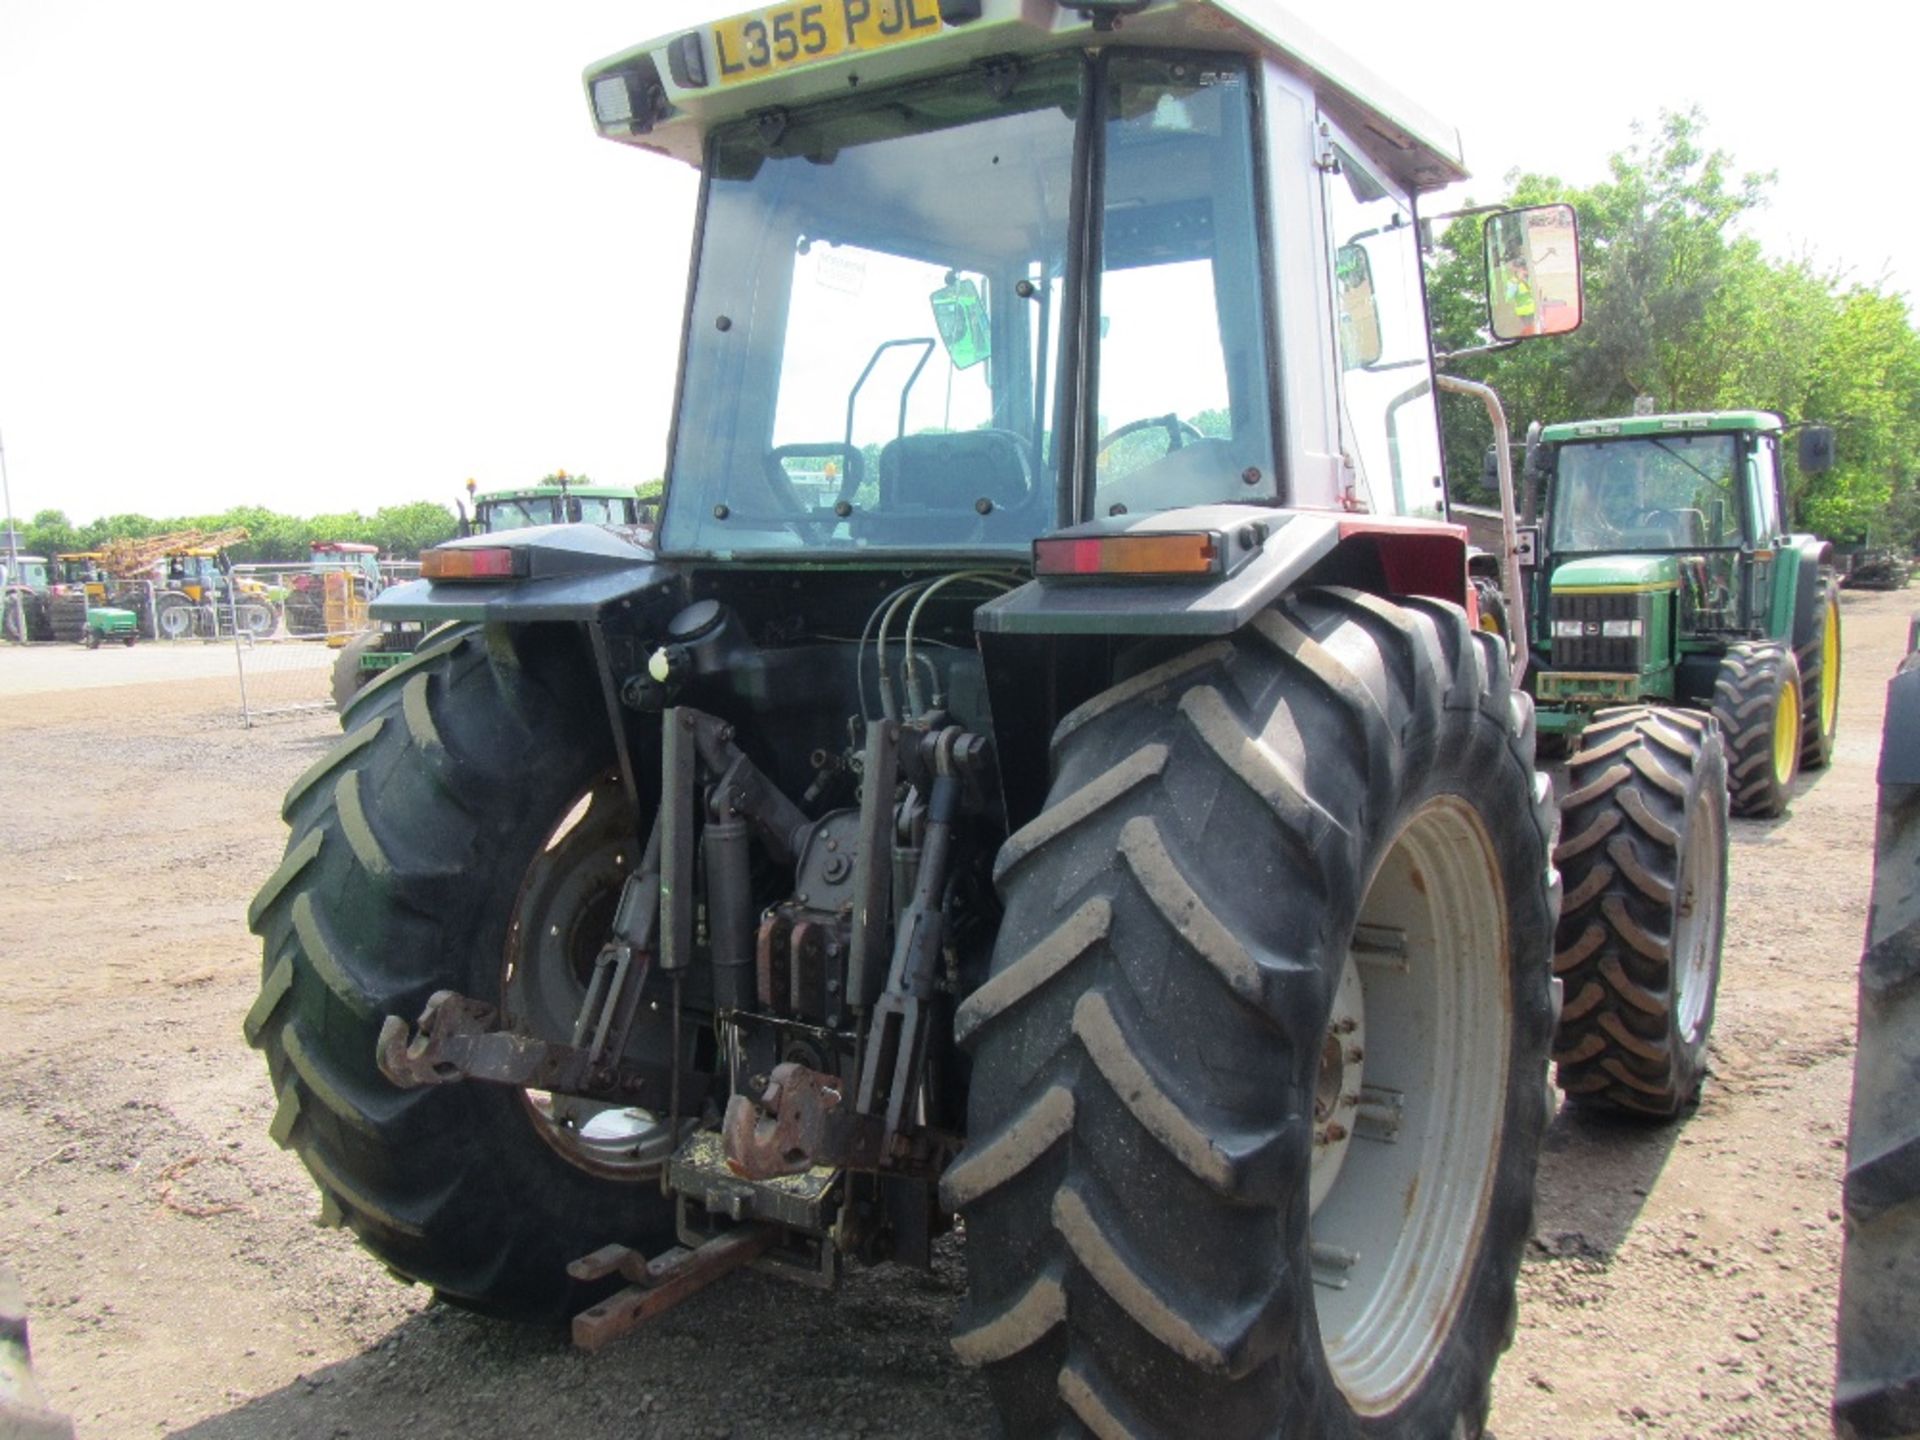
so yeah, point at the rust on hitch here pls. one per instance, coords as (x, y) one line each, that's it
(658, 1284)
(456, 1039)
(802, 1119)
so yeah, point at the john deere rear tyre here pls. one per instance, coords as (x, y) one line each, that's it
(1643, 856)
(468, 833)
(1493, 608)
(1878, 1392)
(1819, 660)
(1756, 699)
(1256, 1097)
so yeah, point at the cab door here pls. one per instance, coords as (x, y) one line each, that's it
(1760, 477)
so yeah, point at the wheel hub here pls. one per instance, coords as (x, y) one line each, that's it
(1400, 1200)
(1336, 1097)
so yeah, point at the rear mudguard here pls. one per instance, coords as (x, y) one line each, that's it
(1270, 553)
(573, 572)
(1052, 644)
(1805, 555)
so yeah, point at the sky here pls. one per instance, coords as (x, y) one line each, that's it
(330, 259)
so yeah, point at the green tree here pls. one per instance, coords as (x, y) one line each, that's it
(1687, 312)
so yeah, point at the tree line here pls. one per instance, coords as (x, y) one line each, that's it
(400, 531)
(1684, 309)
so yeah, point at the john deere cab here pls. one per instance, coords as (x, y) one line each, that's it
(1665, 573)
(559, 501)
(1042, 769)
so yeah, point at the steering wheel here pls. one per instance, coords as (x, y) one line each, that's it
(1179, 431)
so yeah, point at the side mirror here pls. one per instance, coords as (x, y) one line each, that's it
(1533, 272)
(1359, 311)
(1816, 449)
(960, 317)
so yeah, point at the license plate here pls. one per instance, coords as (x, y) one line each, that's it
(786, 37)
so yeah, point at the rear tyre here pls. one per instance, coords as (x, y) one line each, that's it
(1819, 661)
(1878, 1392)
(348, 677)
(304, 615)
(1643, 856)
(256, 618)
(1209, 1073)
(1756, 699)
(174, 617)
(1493, 608)
(468, 833)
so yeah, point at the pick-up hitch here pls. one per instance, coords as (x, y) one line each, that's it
(457, 1038)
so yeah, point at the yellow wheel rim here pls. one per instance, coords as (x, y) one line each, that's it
(1830, 671)
(1786, 733)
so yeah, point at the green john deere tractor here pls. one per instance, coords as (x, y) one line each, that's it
(1686, 651)
(559, 499)
(1664, 574)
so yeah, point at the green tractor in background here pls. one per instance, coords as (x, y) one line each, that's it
(558, 499)
(1685, 650)
(1664, 574)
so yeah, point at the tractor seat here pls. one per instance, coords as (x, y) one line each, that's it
(932, 486)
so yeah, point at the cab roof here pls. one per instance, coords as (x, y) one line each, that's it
(1691, 422)
(665, 95)
(554, 492)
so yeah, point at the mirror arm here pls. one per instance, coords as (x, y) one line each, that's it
(1442, 357)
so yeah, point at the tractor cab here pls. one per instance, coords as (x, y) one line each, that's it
(969, 274)
(84, 569)
(29, 571)
(561, 502)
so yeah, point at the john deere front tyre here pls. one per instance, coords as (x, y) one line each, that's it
(468, 833)
(1256, 1093)
(1756, 699)
(349, 678)
(1819, 660)
(1643, 857)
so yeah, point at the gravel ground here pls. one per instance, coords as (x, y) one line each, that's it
(1681, 1281)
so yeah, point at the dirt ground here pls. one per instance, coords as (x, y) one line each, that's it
(1681, 1283)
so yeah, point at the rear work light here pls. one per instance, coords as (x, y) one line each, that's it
(1186, 554)
(493, 563)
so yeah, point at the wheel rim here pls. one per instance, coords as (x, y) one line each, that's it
(1394, 1237)
(563, 912)
(1698, 914)
(1830, 671)
(175, 621)
(1786, 733)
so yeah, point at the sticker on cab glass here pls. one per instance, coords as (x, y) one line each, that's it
(788, 36)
